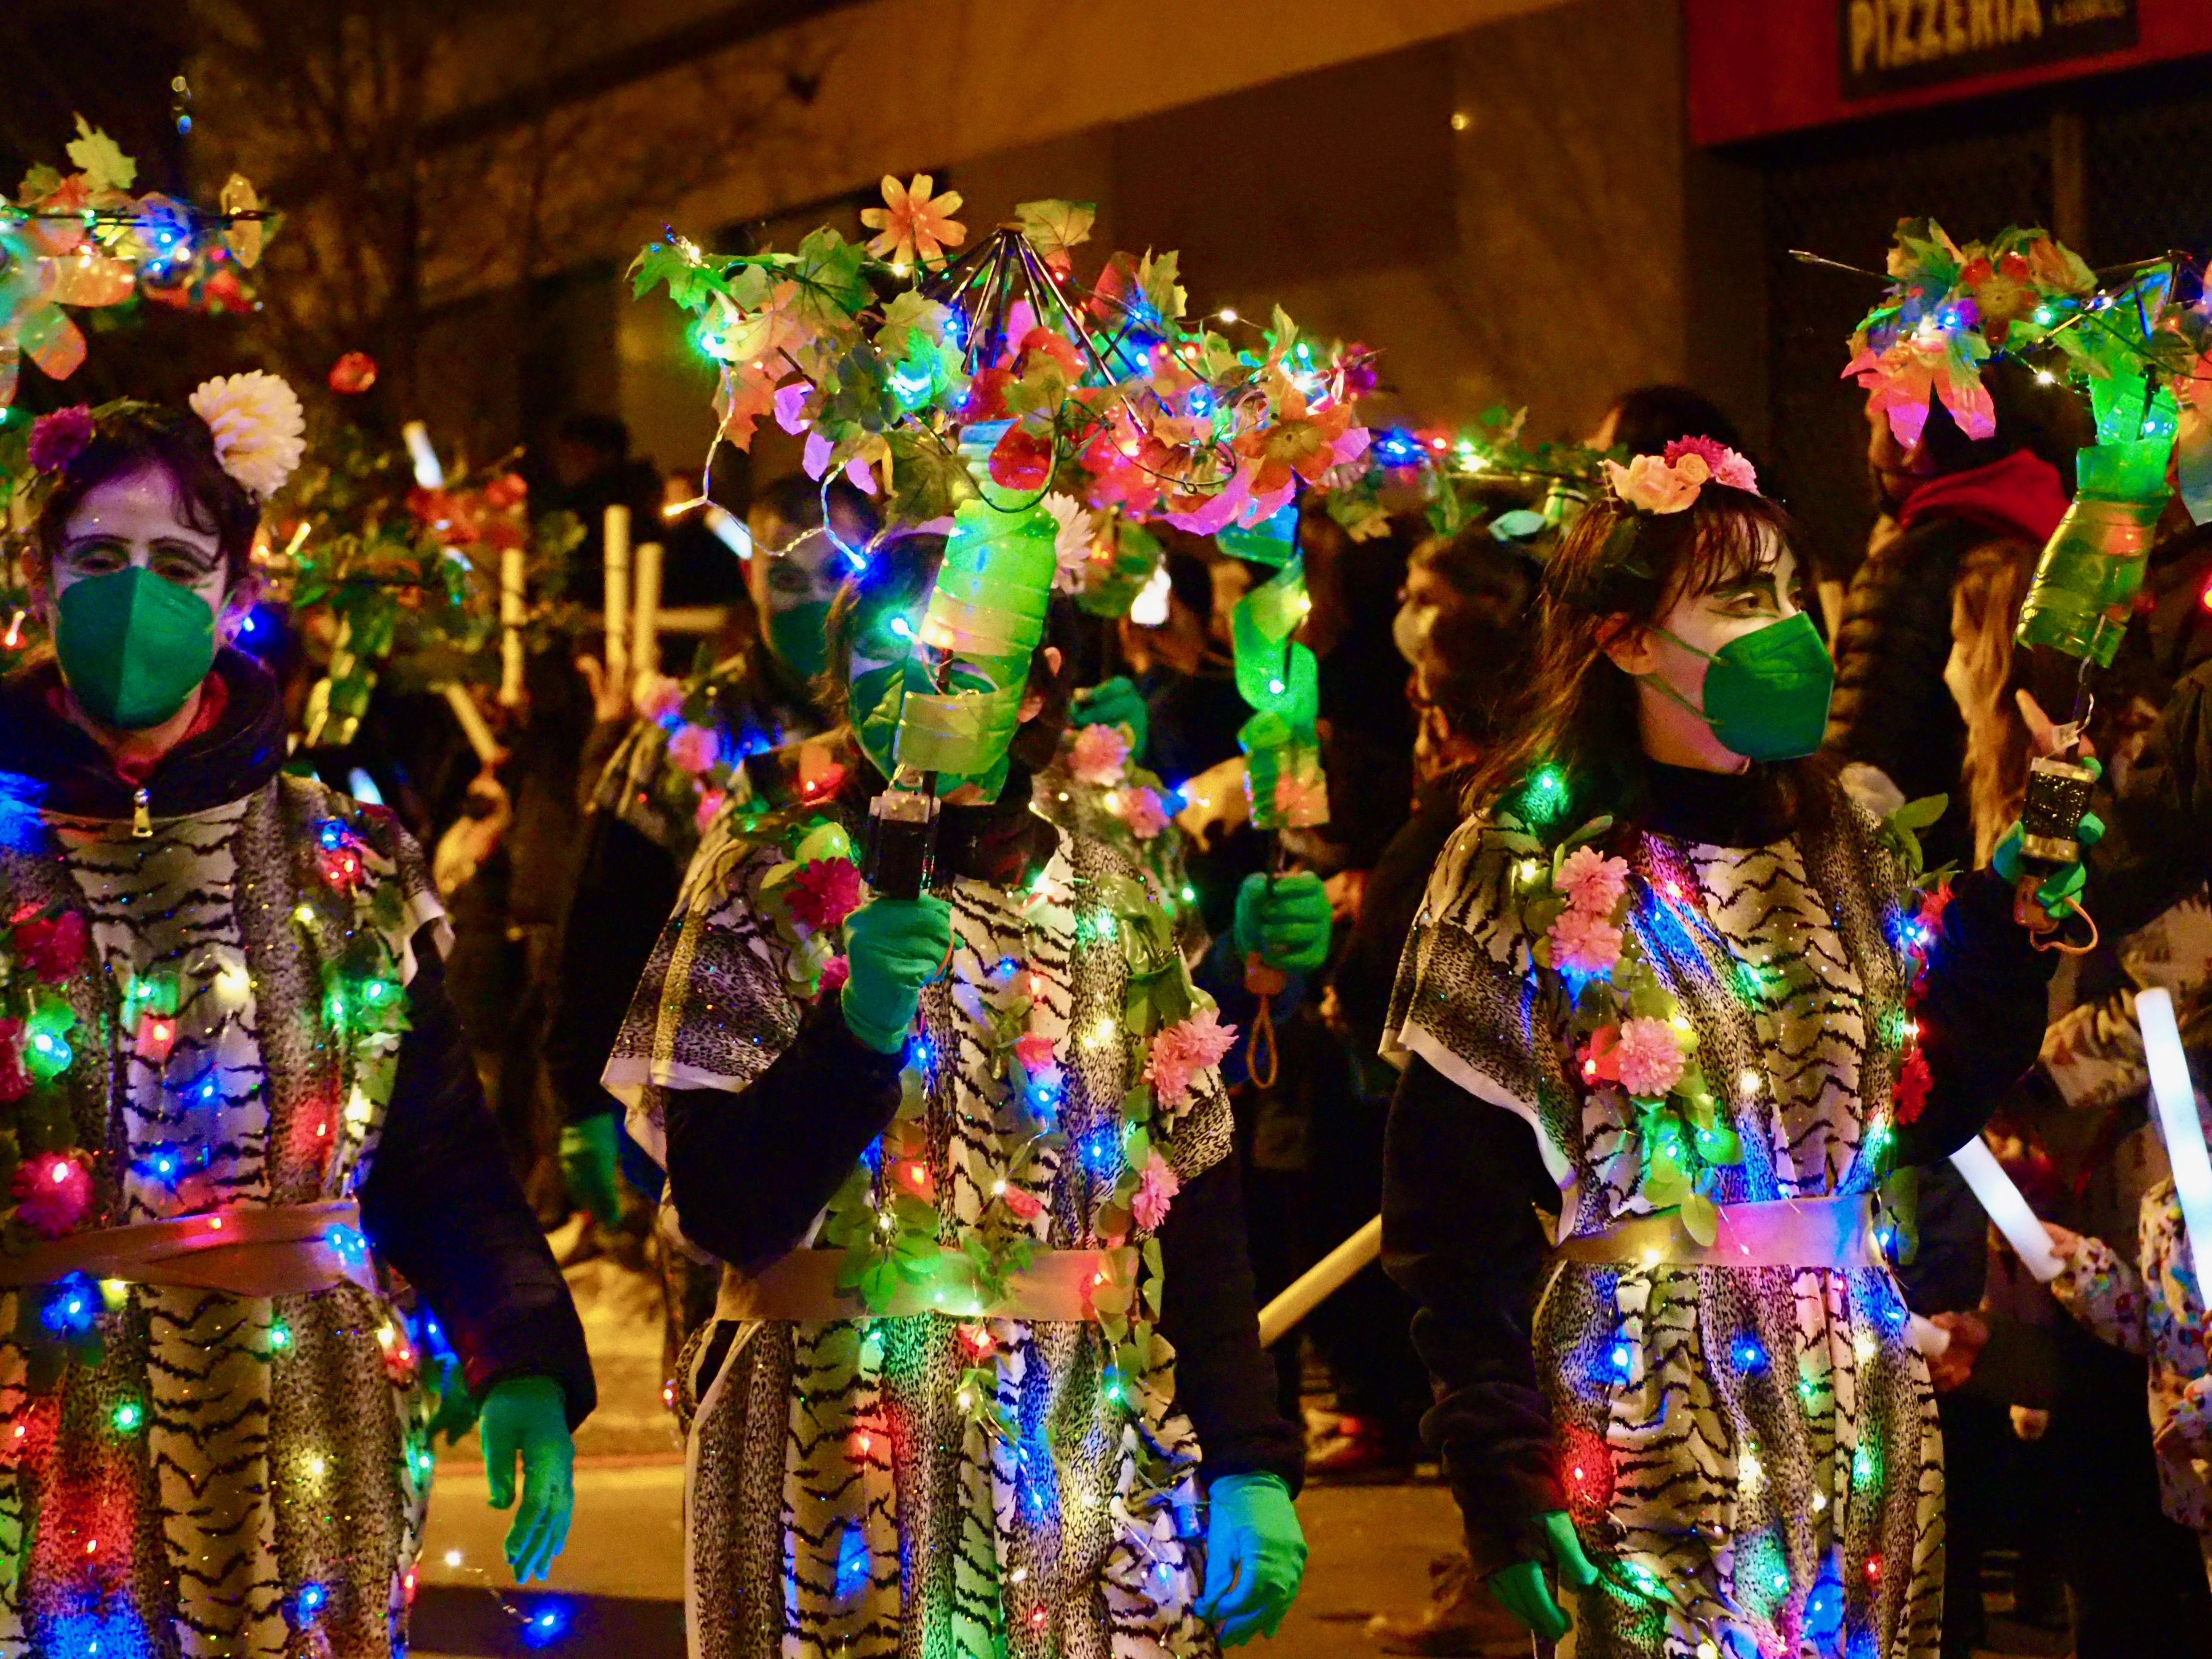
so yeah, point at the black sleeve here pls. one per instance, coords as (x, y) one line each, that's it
(1210, 1313)
(626, 887)
(1891, 708)
(442, 1208)
(1981, 1015)
(2159, 847)
(749, 1172)
(1461, 1181)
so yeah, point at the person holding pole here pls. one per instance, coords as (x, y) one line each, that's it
(1673, 1009)
(950, 1146)
(233, 1093)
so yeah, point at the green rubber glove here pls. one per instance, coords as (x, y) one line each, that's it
(529, 1416)
(2063, 884)
(588, 1164)
(1256, 1554)
(1115, 702)
(1522, 1591)
(1288, 924)
(894, 947)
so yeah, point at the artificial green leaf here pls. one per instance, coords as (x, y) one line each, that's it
(1701, 1218)
(1054, 225)
(101, 159)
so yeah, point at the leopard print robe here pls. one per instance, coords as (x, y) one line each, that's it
(1773, 1442)
(840, 1504)
(274, 1448)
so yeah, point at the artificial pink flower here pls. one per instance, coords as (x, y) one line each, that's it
(659, 697)
(1156, 1190)
(1034, 1051)
(15, 1081)
(1600, 1058)
(694, 748)
(1914, 1080)
(711, 802)
(1026, 1205)
(1724, 464)
(52, 1192)
(834, 973)
(52, 947)
(1183, 1050)
(1099, 755)
(1144, 812)
(825, 891)
(1650, 1058)
(1652, 485)
(59, 438)
(1592, 882)
(1584, 944)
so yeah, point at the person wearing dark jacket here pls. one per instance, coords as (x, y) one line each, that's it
(1923, 649)
(990, 1303)
(651, 793)
(1669, 1358)
(235, 1093)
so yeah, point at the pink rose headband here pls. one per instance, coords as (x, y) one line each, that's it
(1670, 481)
(1667, 482)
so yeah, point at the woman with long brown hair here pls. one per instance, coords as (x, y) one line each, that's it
(1672, 1362)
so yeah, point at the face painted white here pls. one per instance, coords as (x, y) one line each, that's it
(134, 519)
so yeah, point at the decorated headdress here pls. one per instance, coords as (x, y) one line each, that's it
(255, 419)
(1671, 481)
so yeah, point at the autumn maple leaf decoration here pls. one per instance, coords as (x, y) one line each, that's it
(913, 222)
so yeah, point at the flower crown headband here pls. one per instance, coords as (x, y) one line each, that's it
(255, 418)
(1655, 485)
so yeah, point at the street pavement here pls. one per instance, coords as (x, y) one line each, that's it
(618, 1589)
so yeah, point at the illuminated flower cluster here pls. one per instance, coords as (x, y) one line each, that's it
(1183, 1050)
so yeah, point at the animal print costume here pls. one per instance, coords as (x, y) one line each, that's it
(275, 1452)
(1737, 1442)
(849, 1495)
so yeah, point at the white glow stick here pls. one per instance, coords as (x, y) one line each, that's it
(616, 541)
(2177, 1116)
(1320, 1282)
(511, 613)
(645, 609)
(471, 721)
(730, 529)
(429, 471)
(1994, 1187)
(1925, 1334)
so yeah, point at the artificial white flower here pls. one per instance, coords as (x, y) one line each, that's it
(260, 430)
(1071, 546)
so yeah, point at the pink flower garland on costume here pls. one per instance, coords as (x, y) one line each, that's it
(1592, 882)
(824, 892)
(694, 748)
(1649, 1059)
(1099, 755)
(1182, 1051)
(1156, 1190)
(1583, 942)
(1144, 812)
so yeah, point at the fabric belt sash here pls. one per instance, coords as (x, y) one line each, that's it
(802, 1288)
(274, 1249)
(1790, 1232)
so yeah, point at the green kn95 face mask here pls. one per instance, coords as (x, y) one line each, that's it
(1767, 692)
(132, 646)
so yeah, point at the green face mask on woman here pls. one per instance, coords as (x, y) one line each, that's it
(132, 646)
(1765, 693)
